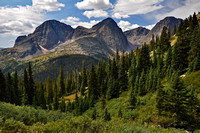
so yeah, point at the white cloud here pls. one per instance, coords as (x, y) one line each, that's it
(48, 5)
(124, 8)
(119, 16)
(74, 22)
(98, 6)
(150, 26)
(189, 7)
(126, 25)
(95, 13)
(22, 20)
(94, 4)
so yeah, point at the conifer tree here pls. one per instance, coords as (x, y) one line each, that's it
(164, 40)
(168, 58)
(3, 92)
(132, 73)
(49, 88)
(62, 105)
(56, 103)
(194, 44)
(132, 99)
(16, 89)
(142, 80)
(123, 79)
(31, 92)
(174, 31)
(42, 100)
(92, 85)
(177, 102)
(84, 79)
(61, 85)
(9, 88)
(24, 100)
(152, 43)
(197, 63)
(68, 83)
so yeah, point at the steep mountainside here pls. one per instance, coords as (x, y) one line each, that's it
(157, 29)
(135, 36)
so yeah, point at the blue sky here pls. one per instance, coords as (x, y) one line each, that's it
(21, 17)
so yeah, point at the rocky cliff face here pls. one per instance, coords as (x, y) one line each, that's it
(48, 35)
(109, 32)
(135, 36)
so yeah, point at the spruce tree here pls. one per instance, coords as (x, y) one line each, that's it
(107, 116)
(26, 85)
(177, 102)
(62, 105)
(61, 85)
(3, 92)
(196, 66)
(174, 31)
(16, 89)
(92, 85)
(31, 92)
(49, 88)
(123, 79)
(142, 80)
(42, 100)
(132, 99)
(9, 88)
(24, 100)
(68, 83)
(164, 40)
(83, 79)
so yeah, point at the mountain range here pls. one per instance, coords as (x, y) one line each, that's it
(54, 43)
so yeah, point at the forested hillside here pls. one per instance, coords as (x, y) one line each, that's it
(155, 88)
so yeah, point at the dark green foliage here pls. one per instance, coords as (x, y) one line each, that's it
(92, 86)
(152, 43)
(94, 114)
(62, 105)
(49, 88)
(42, 100)
(31, 84)
(194, 44)
(164, 43)
(68, 83)
(132, 99)
(123, 79)
(24, 100)
(168, 58)
(107, 116)
(56, 103)
(174, 31)
(142, 90)
(196, 66)
(113, 89)
(83, 79)
(16, 89)
(9, 88)
(61, 85)
(3, 92)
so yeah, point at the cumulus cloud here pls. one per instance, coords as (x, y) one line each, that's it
(124, 8)
(22, 20)
(48, 5)
(74, 22)
(188, 8)
(126, 25)
(95, 13)
(94, 4)
(98, 7)
(119, 16)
